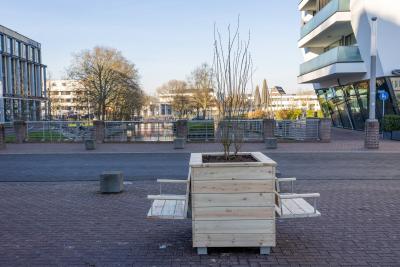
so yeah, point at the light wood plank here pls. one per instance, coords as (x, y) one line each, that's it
(229, 186)
(167, 197)
(233, 173)
(292, 206)
(169, 208)
(234, 240)
(156, 208)
(233, 213)
(180, 208)
(233, 200)
(307, 207)
(234, 227)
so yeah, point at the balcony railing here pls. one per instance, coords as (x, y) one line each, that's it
(341, 54)
(329, 10)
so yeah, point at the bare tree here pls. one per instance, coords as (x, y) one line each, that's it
(232, 72)
(104, 76)
(201, 80)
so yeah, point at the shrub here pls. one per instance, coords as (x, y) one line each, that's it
(391, 123)
(258, 114)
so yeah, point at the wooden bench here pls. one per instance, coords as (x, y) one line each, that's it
(170, 207)
(291, 205)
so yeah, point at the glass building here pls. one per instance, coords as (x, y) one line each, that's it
(347, 105)
(22, 78)
(335, 38)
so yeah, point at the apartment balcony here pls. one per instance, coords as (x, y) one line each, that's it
(305, 5)
(328, 25)
(337, 62)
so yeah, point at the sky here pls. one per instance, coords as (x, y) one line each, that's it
(165, 39)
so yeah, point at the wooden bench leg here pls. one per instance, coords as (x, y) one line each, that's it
(265, 250)
(202, 251)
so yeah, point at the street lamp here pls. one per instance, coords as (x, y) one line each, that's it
(372, 124)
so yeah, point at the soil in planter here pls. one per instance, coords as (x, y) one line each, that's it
(232, 158)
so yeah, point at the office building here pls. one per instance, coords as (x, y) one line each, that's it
(22, 78)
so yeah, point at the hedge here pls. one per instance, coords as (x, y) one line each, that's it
(391, 123)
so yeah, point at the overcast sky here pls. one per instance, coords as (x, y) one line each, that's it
(165, 39)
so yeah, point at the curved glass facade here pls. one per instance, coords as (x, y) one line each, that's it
(347, 105)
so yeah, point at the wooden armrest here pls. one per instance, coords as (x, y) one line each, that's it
(286, 179)
(291, 196)
(169, 181)
(167, 197)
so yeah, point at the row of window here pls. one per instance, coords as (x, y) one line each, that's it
(55, 84)
(21, 78)
(19, 49)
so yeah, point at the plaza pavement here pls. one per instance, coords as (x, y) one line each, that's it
(70, 223)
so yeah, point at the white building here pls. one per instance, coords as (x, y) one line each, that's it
(336, 40)
(306, 100)
(63, 100)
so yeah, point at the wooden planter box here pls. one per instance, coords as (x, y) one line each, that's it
(233, 204)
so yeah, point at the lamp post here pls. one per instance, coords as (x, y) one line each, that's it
(372, 124)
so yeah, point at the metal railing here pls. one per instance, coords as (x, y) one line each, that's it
(59, 131)
(9, 131)
(160, 131)
(131, 131)
(301, 130)
(201, 130)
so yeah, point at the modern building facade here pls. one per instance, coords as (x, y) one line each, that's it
(22, 78)
(335, 38)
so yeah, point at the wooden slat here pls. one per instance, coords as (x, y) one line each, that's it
(167, 197)
(169, 181)
(229, 186)
(233, 213)
(169, 208)
(234, 240)
(292, 206)
(234, 200)
(233, 173)
(298, 209)
(179, 209)
(307, 207)
(156, 208)
(234, 227)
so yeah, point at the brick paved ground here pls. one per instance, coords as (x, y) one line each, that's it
(70, 224)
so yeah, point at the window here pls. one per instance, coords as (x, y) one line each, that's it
(64, 84)
(1, 43)
(9, 45)
(17, 50)
(53, 84)
(66, 93)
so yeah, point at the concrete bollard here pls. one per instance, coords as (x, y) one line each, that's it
(179, 143)
(182, 129)
(2, 137)
(268, 128)
(325, 128)
(20, 131)
(111, 182)
(271, 143)
(90, 144)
